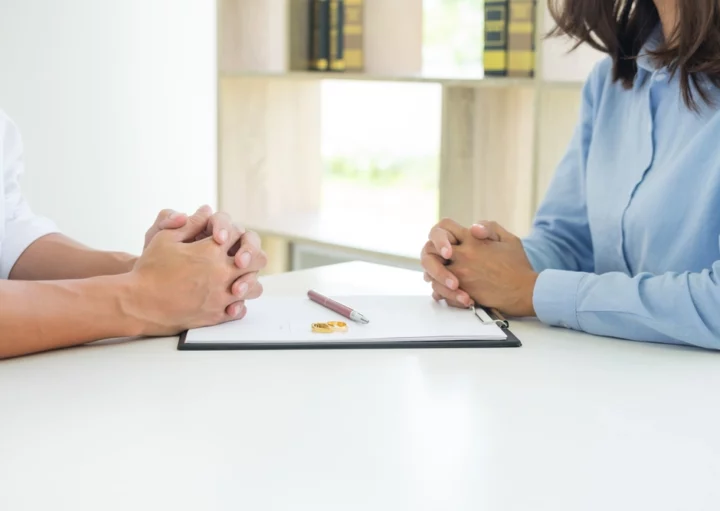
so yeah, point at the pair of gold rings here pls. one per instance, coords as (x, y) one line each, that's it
(329, 327)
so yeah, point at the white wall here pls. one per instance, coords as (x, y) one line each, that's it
(116, 101)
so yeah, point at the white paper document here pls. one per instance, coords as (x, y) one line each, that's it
(392, 319)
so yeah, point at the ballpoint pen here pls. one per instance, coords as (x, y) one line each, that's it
(341, 309)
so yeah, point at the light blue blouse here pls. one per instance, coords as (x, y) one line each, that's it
(627, 239)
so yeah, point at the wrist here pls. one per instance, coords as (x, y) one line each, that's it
(129, 294)
(527, 292)
(124, 263)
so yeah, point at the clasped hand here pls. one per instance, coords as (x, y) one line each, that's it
(485, 264)
(194, 271)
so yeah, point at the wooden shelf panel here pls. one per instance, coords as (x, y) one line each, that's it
(487, 156)
(561, 84)
(446, 81)
(373, 236)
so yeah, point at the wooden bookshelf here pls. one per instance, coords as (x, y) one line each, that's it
(501, 137)
(449, 81)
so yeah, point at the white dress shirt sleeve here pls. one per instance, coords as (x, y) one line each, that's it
(21, 226)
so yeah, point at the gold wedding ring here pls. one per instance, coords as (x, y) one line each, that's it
(329, 327)
(322, 328)
(338, 326)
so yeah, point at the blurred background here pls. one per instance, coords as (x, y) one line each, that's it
(425, 109)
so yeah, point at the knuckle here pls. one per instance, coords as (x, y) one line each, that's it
(262, 259)
(257, 290)
(446, 223)
(439, 288)
(427, 261)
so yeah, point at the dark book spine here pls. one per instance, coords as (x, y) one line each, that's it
(337, 35)
(320, 35)
(496, 38)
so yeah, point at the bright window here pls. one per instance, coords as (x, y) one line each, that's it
(381, 149)
(381, 140)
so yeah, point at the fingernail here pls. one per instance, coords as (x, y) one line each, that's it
(479, 226)
(450, 283)
(245, 260)
(223, 235)
(445, 252)
(240, 310)
(465, 300)
(174, 215)
(242, 289)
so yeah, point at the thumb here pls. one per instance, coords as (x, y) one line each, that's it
(172, 220)
(195, 225)
(490, 231)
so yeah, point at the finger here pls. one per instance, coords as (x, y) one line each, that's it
(442, 241)
(218, 227)
(165, 213)
(195, 225)
(454, 228)
(250, 254)
(455, 298)
(486, 231)
(236, 310)
(171, 220)
(434, 266)
(222, 229)
(234, 249)
(247, 287)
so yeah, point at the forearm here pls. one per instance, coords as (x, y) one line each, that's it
(39, 316)
(57, 257)
(677, 308)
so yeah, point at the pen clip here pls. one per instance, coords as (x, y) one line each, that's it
(486, 319)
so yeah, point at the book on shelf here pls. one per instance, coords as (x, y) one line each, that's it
(319, 35)
(521, 38)
(337, 43)
(336, 35)
(509, 38)
(496, 36)
(353, 35)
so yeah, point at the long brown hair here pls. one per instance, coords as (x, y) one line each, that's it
(621, 27)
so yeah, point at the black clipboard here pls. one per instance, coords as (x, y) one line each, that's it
(510, 342)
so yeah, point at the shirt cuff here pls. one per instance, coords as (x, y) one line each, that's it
(18, 237)
(555, 297)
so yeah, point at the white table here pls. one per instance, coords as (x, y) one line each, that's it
(567, 422)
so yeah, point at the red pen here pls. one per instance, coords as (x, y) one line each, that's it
(341, 309)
